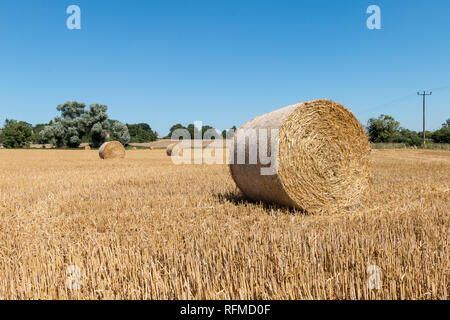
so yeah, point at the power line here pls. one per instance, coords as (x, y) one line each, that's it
(400, 99)
(440, 88)
(377, 107)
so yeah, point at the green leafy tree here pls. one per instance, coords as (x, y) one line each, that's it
(119, 132)
(153, 135)
(141, 132)
(67, 130)
(194, 132)
(229, 133)
(36, 138)
(409, 137)
(97, 123)
(175, 127)
(71, 113)
(71, 110)
(205, 129)
(54, 134)
(442, 135)
(16, 134)
(77, 124)
(209, 132)
(383, 129)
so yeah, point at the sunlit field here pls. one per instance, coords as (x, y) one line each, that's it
(144, 228)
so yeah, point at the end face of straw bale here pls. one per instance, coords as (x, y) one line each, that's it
(112, 150)
(323, 157)
(174, 149)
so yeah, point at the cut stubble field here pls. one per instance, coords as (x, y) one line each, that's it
(144, 228)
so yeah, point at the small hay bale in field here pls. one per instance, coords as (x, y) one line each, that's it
(87, 148)
(174, 149)
(322, 159)
(112, 150)
(134, 149)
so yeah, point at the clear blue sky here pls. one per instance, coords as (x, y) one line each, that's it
(223, 62)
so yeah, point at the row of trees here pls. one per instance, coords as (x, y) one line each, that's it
(16, 134)
(76, 122)
(141, 132)
(75, 125)
(195, 132)
(386, 129)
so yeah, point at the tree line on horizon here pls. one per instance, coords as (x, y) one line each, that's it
(77, 125)
(205, 131)
(385, 129)
(74, 126)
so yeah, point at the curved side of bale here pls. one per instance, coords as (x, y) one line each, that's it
(267, 188)
(112, 150)
(174, 149)
(321, 155)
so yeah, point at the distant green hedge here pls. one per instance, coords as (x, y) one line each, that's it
(428, 145)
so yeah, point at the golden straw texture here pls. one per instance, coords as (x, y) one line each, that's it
(112, 150)
(322, 162)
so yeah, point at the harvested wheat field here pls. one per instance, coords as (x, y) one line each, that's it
(144, 228)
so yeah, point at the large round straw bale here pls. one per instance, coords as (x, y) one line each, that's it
(322, 160)
(174, 149)
(112, 150)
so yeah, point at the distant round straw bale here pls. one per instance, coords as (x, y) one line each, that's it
(174, 149)
(322, 162)
(112, 150)
(87, 148)
(134, 149)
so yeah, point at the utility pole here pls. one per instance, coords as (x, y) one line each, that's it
(424, 94)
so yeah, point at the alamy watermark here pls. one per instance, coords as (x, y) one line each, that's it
(374, 279)
(74, 20)
(374, 20)
(73, 278)
(244, 146)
